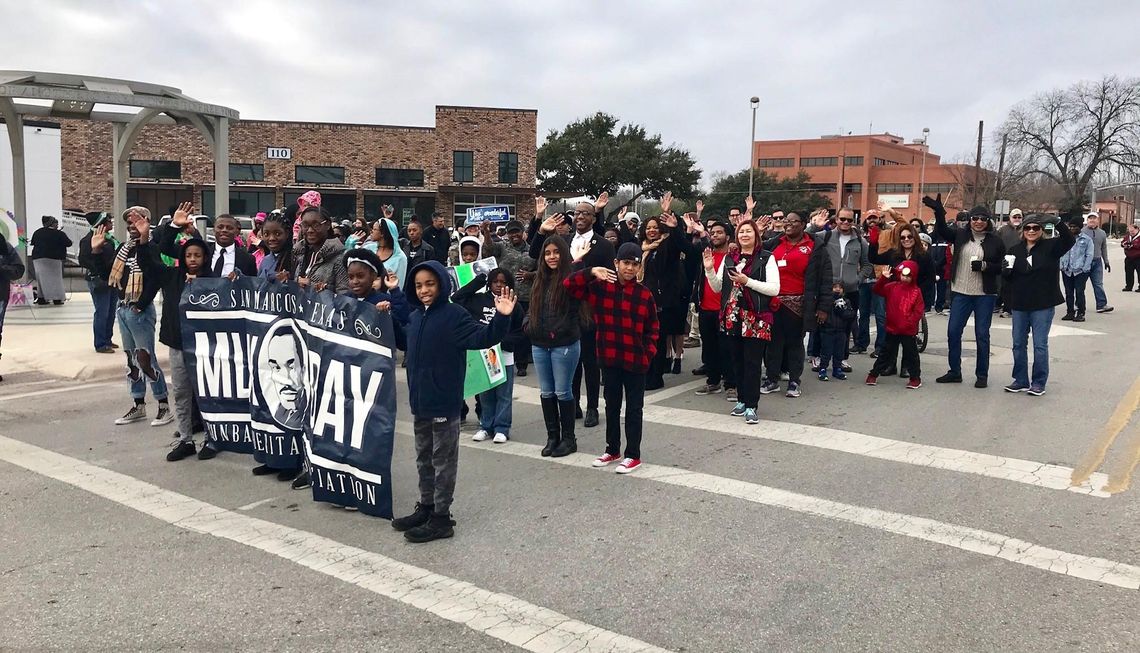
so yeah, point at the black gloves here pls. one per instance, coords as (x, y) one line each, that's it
(935, 205)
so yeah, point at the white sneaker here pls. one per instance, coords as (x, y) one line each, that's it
(164, 416)
(500, 438)
(481, 435)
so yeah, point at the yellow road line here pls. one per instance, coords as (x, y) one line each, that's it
(1091, 461)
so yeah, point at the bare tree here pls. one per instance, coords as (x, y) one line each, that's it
(1070, 135)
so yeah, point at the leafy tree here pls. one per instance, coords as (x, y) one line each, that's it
(770, 193)
(593, 154)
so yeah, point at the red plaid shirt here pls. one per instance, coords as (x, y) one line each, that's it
(626, 316)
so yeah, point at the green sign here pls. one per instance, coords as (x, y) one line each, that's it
(484, 366)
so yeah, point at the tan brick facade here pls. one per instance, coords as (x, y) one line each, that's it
(359, 149)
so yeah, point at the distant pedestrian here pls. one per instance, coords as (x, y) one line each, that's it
(1131, 245)
(49, 251)
(1075, 266)
(1100, 263)
(97, 254)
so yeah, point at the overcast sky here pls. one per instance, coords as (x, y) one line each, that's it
(683, 69)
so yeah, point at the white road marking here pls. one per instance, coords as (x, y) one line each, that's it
(973, 540)
(502, 616)
(69, 388)
(1053, 477)
(251, 506)
(667, 392)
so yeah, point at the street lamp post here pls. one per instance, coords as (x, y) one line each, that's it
(752, 145)
(922, 173)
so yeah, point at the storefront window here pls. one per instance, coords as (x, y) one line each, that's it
(242, 202)
(405, 207)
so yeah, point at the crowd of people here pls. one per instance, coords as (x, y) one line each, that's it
(606, 301)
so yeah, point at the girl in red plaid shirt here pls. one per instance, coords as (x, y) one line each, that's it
(626, 317)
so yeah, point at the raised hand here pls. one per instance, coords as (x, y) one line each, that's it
(98, 237)
(666, 201)
(707, 259)
(764, 223)
(819, 218)
(389, 211)
(604, 274)
(700, 207)
(548, 225)
(539, 206)
(600, 203)
(181, 217)
(669, 219)
(391, 281)
(505, 302)
(749, 205)
(622, 212)
(384, 306)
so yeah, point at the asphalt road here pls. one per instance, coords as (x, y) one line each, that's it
(852, 518)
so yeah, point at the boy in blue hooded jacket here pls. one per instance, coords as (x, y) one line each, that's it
(439, 335)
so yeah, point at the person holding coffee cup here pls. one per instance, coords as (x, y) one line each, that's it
(1032, 270)
(978, 260)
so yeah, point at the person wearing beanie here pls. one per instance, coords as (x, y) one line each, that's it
(626, 319)
(899, 286)
(1031, 269)
(96, 255)
(48, 252)
(1010, 234)
(978, 253)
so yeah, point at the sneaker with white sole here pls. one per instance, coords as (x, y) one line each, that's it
(710, 389)
(738, 410)
(769, 387)
(815, 363)
(845, 366)
(750, 416)
(730, 395)
(793, 390)
(164, 416)
(605, 459)
(627, 465)
(481, 435)
(137, 413)
(500, 438)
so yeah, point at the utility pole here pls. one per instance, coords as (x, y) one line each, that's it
(755, 102)
(1001, 165)
(978, 164)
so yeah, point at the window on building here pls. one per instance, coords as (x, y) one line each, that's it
(886, 162)
(399, 177)
(821, 188)
(893, 188)
(340, 205)
(852, 188)
(818, 161)
(508, 168)
(155, 169)
(938, 188)
(463, 166)
(247, 172)
(775, 163)
(852, 160)
(242, 202)
(320, 175)
(464, 202)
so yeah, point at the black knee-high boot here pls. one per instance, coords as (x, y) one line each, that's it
(568, 443)
(553, 426)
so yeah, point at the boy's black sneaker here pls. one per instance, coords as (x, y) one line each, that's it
(419, 517)
(302, 481)
(438, 527)
(949, 377)
(287, 475)
(181, 449)
(263, 470)
(207, 452)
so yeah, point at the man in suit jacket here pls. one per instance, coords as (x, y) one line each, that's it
(225, 255)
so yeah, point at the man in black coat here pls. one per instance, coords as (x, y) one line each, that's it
(438, 237)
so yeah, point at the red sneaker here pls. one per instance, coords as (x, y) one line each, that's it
(914, 384)
(605, 459)
(627, 465)
(872, 380)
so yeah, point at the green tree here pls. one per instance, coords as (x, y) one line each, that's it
(770, 193)
(595, 154)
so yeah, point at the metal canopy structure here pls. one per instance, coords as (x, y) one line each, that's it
(75, 97)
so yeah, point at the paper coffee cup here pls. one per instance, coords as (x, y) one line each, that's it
(1009, 259)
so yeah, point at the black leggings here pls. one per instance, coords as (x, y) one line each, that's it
(588, 368)
(786, 350)
(748, 355)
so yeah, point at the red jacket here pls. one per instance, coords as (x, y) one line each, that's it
(904, 305)
(1131, 246)
(626, 318)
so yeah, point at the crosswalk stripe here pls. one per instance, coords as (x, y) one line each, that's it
(501, 616)
(964, 538)
(1054, 477)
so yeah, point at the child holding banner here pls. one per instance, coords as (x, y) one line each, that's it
(364, 268)
(439, 335)
(626, 317)
(191, 264)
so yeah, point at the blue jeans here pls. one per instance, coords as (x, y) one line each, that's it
(137, 330)
(880, 304)
(1038, 322)
(863, 333)
(832, 342)
(496, 402)
(961, 307)
(555, 367)
(1096, 276)
(1075, 293)
(105, 300)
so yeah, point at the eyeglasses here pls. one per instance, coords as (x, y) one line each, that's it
(845, 219)
(906, 237)
(312, 226)
(1031, 227)
(978, 218)
(583, 213)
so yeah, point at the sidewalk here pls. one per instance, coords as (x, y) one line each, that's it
(57, 341)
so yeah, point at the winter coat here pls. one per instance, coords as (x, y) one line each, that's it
(993, 250)
(174, 282)
(440, 241)
(851, 266)
(98, 265)
(326, 266)
(817, 282)
(1131, 245)
(904, 305)
(662, 269)
(439, 336)
(1036, 285)
(49, 243)
(1079, 258)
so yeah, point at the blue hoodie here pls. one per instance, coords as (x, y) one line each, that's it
(438, 339)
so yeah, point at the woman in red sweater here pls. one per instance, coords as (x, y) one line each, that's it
(1131, 244)
(904, 312)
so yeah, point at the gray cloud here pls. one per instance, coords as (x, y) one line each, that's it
(683, 69)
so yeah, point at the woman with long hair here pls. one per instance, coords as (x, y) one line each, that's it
(662, 243)
(746, 281)
(554, 326)
(908, 246)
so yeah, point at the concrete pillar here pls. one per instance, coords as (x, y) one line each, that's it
(19, 181)
(119, 172)
(221, 144)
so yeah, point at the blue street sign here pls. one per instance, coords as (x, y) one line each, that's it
(481, 214)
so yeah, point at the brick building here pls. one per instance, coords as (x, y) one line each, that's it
(471, 157)
(860, 171)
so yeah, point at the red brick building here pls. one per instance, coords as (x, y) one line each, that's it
(471, 157)
(859, 171)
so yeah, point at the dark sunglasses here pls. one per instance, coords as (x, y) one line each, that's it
(845, 219)
(906, 237)
(1031, 227)
(979, 218)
